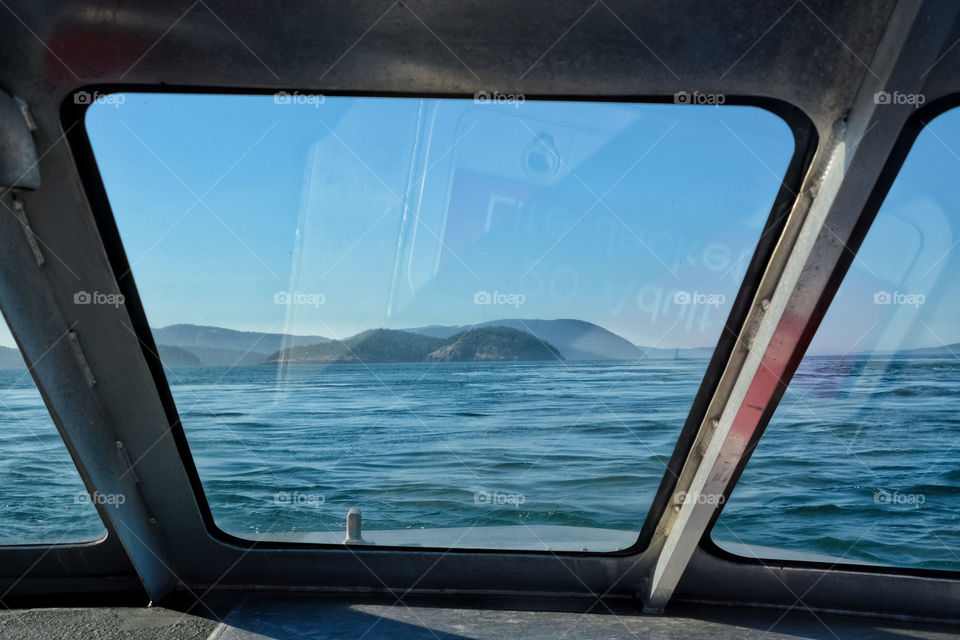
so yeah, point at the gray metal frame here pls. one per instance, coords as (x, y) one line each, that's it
(825, 58)
(813, 246)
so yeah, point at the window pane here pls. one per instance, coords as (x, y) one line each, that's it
(860, 462)
(42, 498)
(480, 323)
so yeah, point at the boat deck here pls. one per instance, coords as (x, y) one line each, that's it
(265, 616)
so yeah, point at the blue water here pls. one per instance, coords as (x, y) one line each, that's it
(582, 444)
(413, 444)
(862, 462)
(41, 495)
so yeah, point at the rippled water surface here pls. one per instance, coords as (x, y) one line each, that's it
(426, 445)
(862, 462)
(859, 461)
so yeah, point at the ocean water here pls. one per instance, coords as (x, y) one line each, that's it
(420, 446)
(42, 498)
(859, 462)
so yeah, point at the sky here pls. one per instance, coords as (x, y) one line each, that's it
(393, 212)
(328, 216)
(902, 290)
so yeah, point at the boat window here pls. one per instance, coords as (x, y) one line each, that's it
(859, 463)
(42, 498)
(480, 322)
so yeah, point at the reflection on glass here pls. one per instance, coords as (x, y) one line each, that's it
(859, 464)
(42, 498)
(480, 324)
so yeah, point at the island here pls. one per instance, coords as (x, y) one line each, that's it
(183, 345)
(481, 344)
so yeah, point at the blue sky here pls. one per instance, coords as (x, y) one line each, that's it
(910, 254)
(399, 212)
(330, 216)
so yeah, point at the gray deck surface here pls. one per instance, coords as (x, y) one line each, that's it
(266, 617)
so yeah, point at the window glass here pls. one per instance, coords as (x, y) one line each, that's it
(42, 498)
(859, 463)
(479, 322)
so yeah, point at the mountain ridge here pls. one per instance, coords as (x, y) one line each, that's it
(571, 339)
(574, 339)
(483, 344)
(219, 346)
(942, 350)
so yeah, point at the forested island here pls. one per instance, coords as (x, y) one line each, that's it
(482, 344)
(188, 345)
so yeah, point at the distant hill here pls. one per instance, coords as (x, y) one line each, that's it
(214, 357)
(177, 357)
(440, 331)
(10, 358)
(573, 339)
(493, 344)
(387, 345)
(943, 350)
(374, 345)
(216, 346)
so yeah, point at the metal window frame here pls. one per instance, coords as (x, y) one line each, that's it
(805, 141)
(912, 129)
(95, 568)
(815, 56)
(803, 278)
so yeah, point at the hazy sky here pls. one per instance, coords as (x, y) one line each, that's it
(909, 253)
(405, 212)
(330, 216)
